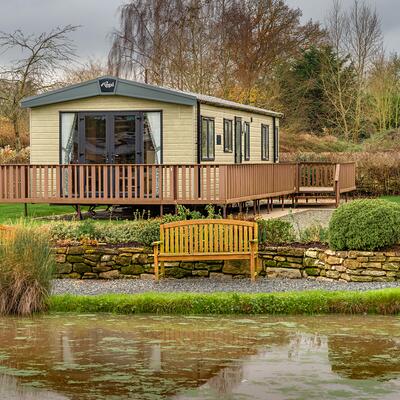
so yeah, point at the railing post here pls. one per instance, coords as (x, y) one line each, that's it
(298, 177)
(25, 181)
(223, 187)
(175, 180)
(337, 185)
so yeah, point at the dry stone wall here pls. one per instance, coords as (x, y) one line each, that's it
(328, 265)
(104, 262)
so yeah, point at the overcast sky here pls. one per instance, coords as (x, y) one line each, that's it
(99, 17)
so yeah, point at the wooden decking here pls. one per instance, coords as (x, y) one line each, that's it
(170, 184)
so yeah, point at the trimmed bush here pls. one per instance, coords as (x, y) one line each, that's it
(365, 225)
(275, 231)
(26, 270)
(144, 232)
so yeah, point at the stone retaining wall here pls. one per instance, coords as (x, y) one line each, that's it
(328, 265)
(102, 262)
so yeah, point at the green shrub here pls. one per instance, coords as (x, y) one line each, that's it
(141, 230)
(314, 233)
(149, 231)
(275, 231)
(26, 269)
(365, 225)
(109, 232)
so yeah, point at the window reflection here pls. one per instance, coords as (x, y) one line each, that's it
(69, 138)
(152, 138)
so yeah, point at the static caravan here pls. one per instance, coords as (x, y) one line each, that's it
(115, 121)
(117, 142)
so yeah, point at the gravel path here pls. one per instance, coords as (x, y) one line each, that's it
(206, 285)
(307, 218)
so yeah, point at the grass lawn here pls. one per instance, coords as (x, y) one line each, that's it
(14, 212)
(395, 199)
(386, 302)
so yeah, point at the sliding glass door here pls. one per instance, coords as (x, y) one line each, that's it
(95, 149)
(116, 138)
(111, 138)
(125, 139)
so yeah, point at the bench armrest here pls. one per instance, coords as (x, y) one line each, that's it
(157, 243)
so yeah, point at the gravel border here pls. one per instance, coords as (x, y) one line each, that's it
(206, 285)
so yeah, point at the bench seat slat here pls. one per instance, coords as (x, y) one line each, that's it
(202, 254)
(205, 256)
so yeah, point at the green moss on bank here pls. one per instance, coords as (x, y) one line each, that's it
(384, 302)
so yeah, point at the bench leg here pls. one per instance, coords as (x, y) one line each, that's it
(253, 267)
(156, 273)
(162, 269)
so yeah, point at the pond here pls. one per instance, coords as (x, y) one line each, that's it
(65, 356)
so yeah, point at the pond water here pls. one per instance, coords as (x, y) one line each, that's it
(64, 356)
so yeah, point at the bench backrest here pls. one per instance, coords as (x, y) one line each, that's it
(207, 236)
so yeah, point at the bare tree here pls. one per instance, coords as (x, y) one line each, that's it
(384, 92)
(354, 35)
(91, 69)
(363, 42)
(42, 57)
(338, 85)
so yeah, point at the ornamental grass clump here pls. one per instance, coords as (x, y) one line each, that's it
(365, 225)
(26, 269)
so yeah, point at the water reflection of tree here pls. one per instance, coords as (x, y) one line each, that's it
(364, 356)
(226, 379)
(300, 341)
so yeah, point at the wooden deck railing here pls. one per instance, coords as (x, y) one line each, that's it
(252, 182)
(326, 175)
(312, 174)
(347, 177)
(166, 184)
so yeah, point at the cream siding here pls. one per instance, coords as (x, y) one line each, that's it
(179, 126)
(219, 113)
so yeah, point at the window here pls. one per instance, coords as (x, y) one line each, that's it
(276, 144)
(238, 140)
(264, 142)
(246, 131)
(228, 142)
(207, 139)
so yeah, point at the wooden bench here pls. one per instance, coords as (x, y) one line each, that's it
(206, 239)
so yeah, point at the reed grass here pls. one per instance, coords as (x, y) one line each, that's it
(26, 270)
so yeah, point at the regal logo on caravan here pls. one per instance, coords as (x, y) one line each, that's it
(107, 85)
